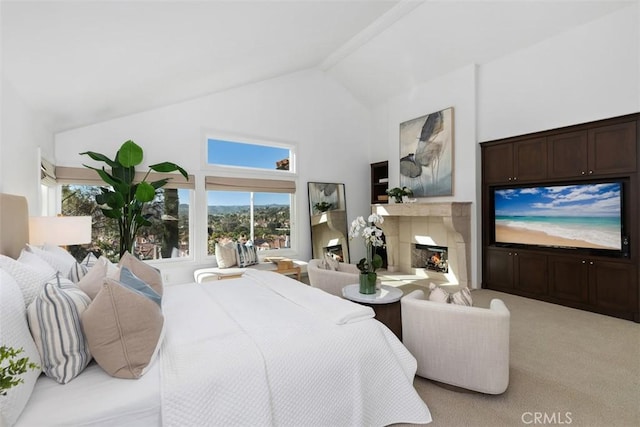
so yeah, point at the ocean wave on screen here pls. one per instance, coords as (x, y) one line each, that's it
(603, 236)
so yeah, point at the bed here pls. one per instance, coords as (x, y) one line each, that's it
(262, 349)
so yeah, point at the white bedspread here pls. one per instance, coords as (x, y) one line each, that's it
(266, 350)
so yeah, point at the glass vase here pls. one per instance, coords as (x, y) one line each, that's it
(368, 283)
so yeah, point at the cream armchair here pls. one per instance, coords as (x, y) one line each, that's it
(463, 346)
(332, 281)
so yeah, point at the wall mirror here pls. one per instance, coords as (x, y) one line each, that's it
(328, 213)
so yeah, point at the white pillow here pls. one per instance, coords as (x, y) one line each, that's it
(438, 294)
(15, 333)
(29, 278)
(54, 319)
(56, 259)
(225, 254)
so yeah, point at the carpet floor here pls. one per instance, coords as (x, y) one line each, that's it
(567, 367)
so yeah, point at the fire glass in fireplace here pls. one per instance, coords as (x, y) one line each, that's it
(433, 258)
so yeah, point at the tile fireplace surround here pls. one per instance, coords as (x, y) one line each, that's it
(441, 224)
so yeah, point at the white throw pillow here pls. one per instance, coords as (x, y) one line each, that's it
(54, 319)
(438, 294)
(14, 332)
(61, 260)
(226, 254)
(30, 279)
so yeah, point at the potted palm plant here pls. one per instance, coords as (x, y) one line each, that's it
(123, 199)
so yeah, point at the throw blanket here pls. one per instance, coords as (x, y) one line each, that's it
(257, 351)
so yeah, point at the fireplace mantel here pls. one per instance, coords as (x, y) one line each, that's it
(444, 224)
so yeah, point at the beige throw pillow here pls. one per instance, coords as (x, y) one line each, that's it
(438, 294)
(123, 329)
(148, 274)
(226, 254)
(462, 297)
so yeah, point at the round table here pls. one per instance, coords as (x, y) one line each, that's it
(385, 303)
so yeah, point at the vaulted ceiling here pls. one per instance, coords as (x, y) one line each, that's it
(82, 62)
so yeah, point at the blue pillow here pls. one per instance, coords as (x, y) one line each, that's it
(133, 282)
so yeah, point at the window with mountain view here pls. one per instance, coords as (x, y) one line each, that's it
(167, 237)
(262, 218)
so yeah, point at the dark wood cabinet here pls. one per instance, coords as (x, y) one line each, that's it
(379, 182)
(601, 151)
(593, 152)
(523, 160)
(521, 272)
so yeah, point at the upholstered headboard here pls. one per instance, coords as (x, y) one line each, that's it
(14, 224)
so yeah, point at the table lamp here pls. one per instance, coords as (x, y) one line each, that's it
(59, 230)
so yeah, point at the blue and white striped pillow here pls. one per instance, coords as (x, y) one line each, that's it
(54, 320)
(246, 255)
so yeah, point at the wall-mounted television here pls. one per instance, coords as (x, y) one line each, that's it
(586, 216)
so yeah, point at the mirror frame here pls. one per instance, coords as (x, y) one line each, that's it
(328, 222)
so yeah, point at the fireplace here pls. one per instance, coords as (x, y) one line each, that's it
(335, 250)
(431, 240)
(431, 257)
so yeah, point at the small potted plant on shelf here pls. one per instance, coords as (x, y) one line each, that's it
(398, 193)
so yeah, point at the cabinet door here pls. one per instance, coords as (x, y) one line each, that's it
(567, 155)
(498, 271)
(612, 149)
(498, 163)
(612, 285)
(568, 278)
(530, 273)
(530, 159)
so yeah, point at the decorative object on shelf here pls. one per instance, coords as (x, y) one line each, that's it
(123, 199)
(12, 367)
(426, 166)
(372, 236)
(323, 206)
(398, 193)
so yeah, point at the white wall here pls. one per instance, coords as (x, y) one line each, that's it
(457, 90)
(23, 133)
(329, 127)
(588, 73)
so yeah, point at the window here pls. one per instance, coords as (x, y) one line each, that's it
(169, 213)
(167, 237)
(260, 217)
(267, 156)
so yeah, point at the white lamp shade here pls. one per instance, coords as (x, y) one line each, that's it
(59, 230)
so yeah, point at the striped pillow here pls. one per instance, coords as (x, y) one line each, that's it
(54, 320)
(462, 297)
(246, 255)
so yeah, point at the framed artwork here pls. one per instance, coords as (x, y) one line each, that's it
(426, 154)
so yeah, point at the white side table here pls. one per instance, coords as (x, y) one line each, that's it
(385, 303)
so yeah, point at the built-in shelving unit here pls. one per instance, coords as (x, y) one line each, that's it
(379, 182)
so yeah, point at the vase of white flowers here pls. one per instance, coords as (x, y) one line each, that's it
(372, 236)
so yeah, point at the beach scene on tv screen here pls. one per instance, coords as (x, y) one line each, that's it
(580, 216)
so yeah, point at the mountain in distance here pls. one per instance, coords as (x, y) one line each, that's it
(230, 209)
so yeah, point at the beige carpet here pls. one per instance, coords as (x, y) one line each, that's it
(568, 367)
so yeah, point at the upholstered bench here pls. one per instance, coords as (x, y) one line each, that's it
(295, 267)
